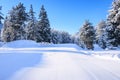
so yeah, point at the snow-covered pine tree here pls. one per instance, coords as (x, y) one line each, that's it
(87, 35)
(14, 24)
(7, 33)
(43, 27)
(100, 28)
(65, 37)
(102, 41)
(100, 34)
(1, 15)
(109, 37)
(30, 28)
(113, 25)
(56, 37)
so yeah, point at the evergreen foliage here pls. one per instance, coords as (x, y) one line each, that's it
(113, 25)
(43, 27)
(31, 27)
(1, 15)
(87, 35)
(14, 24)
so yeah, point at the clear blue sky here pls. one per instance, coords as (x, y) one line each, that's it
(66, 15)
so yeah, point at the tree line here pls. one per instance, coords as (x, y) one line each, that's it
(22, 25)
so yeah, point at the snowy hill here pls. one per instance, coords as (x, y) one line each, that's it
(27, 60)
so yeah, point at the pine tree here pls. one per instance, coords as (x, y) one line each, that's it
(7, 31)
(100, 36)
(100, 28)
(43, 27)
(102, 40)
(109, 37)
(15, 23)
(1, 15)
(30, 29)
(113, 25)
(56, 37)
(87, 35)
(65, 37)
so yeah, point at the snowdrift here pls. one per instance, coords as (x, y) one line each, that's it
(33, 44)
(21, 44)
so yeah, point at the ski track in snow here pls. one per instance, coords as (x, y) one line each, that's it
(63, 63)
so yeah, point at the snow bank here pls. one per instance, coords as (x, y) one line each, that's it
(21, 44)
(33, 44)
(107, 54)
(98, 52)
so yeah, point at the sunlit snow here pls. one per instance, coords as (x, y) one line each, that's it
(27, 60)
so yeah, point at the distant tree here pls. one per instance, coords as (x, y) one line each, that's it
(75, 39)
(65, 37)
(14, 24)
(31, 27)
(43, 27)
(87, 35)
(56, 37)
(60, 37)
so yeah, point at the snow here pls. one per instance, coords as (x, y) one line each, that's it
(21, 44)
(27, 60)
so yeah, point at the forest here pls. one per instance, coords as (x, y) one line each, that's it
(22, 25)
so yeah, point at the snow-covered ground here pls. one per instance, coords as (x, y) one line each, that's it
(27, 60)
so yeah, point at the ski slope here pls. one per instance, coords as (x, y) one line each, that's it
(54, 62)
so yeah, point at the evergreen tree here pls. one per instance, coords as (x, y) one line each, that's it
(100, 34)
(56, 37)
(7, 31)
(100, 28)
(75, 39)
(1, 15)
(109, 37)
(15, 23)
(87, 35)
(113, 25)
(65, 37)
(43, 27)
(30, 29)
(102, 41)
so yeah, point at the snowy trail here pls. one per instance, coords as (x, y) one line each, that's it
(33, 61)
(63, 65)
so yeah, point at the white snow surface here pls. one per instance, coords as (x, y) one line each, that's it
(27, 60)
(21, 44)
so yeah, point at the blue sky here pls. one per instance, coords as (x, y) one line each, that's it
(66, 15)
